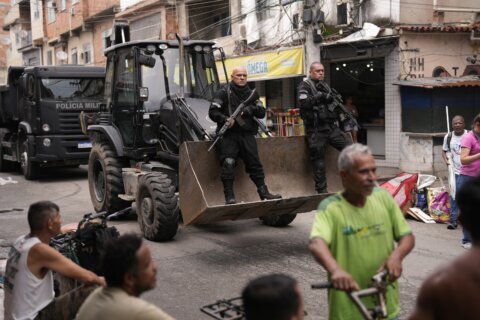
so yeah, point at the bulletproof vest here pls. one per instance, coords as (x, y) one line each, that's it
(319, 115)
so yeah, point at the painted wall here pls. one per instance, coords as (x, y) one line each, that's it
(36, 17)
(399, 11)
(421, 11)
(374, 11)
(421, 53)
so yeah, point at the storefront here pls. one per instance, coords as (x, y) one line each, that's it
(275, 75)
(357, 71)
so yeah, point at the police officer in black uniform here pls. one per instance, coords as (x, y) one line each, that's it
(239, 140)
(321, 124)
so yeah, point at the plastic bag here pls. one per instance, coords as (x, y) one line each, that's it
(439, 204)
(425, 180)
(422, 202)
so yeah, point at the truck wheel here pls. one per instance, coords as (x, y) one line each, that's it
(105, 180)
(278, 221)
(29, 168)
(157, 207)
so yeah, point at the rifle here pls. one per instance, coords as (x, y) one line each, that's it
(252, 97)
(263, 127)
(338, 103)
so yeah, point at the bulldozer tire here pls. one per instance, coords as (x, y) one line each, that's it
(278, 221)
(105, 180)
(29, 168)
(157, 207)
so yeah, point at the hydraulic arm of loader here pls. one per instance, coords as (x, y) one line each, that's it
(287, 169)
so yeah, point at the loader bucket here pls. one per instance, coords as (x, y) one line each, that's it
(288, 171)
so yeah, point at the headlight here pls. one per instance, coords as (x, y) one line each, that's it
(47, 142)
(45, 127)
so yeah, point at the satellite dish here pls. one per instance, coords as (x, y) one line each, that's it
(61, 55)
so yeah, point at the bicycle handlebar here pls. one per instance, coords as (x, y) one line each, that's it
(322, 285)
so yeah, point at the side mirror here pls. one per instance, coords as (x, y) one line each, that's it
(145, 60)
(143, 93)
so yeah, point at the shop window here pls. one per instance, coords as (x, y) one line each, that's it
(274, 94)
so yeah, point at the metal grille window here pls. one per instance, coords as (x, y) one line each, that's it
(49, 57)
(51, 8)
(74, 56)
(36, 10)
(106, 37)
(210, 21)
(146, 28)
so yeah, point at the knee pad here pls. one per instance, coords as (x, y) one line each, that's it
(229, 164)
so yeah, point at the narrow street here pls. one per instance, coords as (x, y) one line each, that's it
(206, 263)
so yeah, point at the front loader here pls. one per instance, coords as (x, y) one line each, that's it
(151, 138)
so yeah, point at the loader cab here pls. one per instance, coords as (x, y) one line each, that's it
(142, 80)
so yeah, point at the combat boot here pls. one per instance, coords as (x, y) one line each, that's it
(266, 195)
(228, 191)
(229, 197)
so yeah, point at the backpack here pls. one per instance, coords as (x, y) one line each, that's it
(449, 139)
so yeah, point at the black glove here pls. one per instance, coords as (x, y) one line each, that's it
(248, 111)
(323, 97)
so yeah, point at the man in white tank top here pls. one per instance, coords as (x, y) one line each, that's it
(28, 285)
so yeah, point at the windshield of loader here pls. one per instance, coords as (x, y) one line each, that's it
(163, 80)
(72, 89)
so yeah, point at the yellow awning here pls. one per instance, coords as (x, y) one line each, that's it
(267, 65)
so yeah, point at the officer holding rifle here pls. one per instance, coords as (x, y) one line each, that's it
(321, 109)
(238, 141)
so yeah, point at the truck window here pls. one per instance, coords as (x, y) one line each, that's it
(71, 89)
(124, 86)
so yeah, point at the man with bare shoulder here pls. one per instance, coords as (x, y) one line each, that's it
(29, 292)
(452, 291)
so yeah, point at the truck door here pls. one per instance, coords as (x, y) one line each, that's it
(124, 97)
(29, 112)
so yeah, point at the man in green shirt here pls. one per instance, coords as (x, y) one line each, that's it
(354, 233)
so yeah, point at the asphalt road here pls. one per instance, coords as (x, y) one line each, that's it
(206, 263)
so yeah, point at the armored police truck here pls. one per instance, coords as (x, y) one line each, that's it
(39, 115)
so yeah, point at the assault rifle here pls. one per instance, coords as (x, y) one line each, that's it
(337, 105)
(252, 97)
